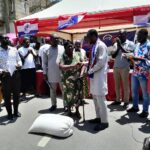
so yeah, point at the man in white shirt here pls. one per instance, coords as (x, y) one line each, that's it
(122, 67)
(10, 63)
(98, 79)
(44, 47)
(80, 51)
(50, 62)
(28, 72)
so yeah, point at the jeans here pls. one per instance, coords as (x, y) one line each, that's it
(136, 83)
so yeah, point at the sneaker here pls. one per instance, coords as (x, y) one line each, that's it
(132, 109)
(101, 127)
(115, 103)
(125, 105)
(17, 114)
(143, 114)
(53, 108)
(96, 120)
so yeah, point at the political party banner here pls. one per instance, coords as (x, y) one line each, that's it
(142, 20)
(27, 27)
(67, 21)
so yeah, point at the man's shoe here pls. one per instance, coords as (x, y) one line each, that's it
(143, 114)
(125, 105)
(115, 103)
(53, 108)
(101, 127)
(132, 109)
(96, 120)
(10, 117)
(17, 114)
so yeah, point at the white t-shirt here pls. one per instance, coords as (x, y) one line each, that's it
(29, 60)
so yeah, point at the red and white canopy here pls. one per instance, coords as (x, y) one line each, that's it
(98, 14)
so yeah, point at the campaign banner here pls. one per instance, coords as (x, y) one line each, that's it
(109, 38)
(67, 21)
(27, 27)
(142, 20)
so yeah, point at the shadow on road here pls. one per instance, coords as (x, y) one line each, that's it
(115, 108)
(134, 118)
(85, 126)
(145, 128)
(4, 121)
(45, 111)
(130, 118)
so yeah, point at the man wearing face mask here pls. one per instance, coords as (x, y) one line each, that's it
(10, 63)
(50, 64)
(28, 72)
(122, 67)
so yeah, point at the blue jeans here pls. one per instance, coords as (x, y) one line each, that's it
(136, 83)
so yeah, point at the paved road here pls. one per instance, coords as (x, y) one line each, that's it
(126, 132)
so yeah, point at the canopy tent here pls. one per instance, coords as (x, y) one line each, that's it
(100, 14)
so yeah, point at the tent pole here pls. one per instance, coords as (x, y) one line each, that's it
(15, 29)
(99, 23)
(71, 37)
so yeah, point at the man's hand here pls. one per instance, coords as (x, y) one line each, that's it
(118, 42)
(5, 73)
(78, 65)
(90, 71)
(18, 67)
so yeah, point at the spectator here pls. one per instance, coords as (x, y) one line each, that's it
(28, 72)
(140, 73)
(82, 56)
(44, 47)
(70, 66)
(81, 52)
(50, 62)
(10, 63)
(122, 67)
(37, 58)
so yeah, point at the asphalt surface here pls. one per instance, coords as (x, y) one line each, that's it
(125, 132)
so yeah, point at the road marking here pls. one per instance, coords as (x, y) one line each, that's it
(43, 142)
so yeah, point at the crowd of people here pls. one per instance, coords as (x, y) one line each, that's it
(67, 64)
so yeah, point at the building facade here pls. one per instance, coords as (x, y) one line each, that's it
(11, 10)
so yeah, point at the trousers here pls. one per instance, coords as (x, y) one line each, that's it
(11, 84)
(122, 75)
(53, 88)
(101, 108)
